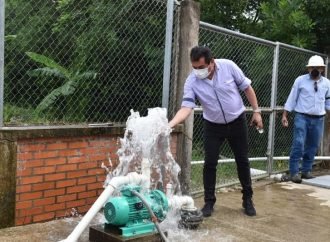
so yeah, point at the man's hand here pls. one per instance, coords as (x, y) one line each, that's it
(257, 121)
(285, 122)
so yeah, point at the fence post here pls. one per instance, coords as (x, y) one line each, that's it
(2, 57)
(188, 38)
(325, 148)
(168, 53)
(272, 118)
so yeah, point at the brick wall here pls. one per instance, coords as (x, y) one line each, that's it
(57, 176)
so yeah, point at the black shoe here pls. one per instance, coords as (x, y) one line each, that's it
(296, 178)
(249, 207)
(207, 210)
(307, 175)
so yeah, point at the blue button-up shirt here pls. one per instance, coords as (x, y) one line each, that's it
(219, 97)
(304, 99)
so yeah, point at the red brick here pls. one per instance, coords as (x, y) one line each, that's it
(45, 154)
(87, 165)
(90, 200)
(30, 211)
(53, 177)
(80, 144)
(23, 188)
(83, 209)
(74, 174)
(30, 196)
(54, 192)
(88, 151)
(62, 213)
(43, 170)
(31, 147)
(55, 161)
(96, 171)
(65, 198)
(86, 180)
(66, 183)
(43, 186)
(33, 163)
(76, 203)
(24, 172)
(43, 217)
(93, 186)
(87, 194)
(24, 156)
(23, 220)
(77, 159)
(101, 178)
(44, 201)
(57, 146)
(24, 204)
(54, 207)
(98, 157)
(76, 189)
(70, 167)
(31, 179)
(68, 153)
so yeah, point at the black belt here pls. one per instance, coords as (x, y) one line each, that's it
(312, 116)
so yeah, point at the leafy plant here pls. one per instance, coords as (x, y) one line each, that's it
(71, 79)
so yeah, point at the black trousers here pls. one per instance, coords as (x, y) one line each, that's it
(235, 133)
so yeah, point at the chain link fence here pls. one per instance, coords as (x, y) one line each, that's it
(82, 61)
(92, 61)
(256, 57)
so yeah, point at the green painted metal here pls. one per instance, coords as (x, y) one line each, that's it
(130, 214)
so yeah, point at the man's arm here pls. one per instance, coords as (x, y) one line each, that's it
(180, 116)
(252, 98)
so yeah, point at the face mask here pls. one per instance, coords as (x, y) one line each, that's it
(315, 73)
(202, 73)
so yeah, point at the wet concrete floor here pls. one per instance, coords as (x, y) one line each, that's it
(285, 212)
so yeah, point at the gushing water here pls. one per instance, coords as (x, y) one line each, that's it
(145, 149)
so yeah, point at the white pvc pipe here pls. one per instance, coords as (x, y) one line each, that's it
(177, 202)
(115, 183)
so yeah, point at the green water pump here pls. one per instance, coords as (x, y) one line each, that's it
(128, 213)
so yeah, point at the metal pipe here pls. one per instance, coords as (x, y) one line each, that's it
(231, 32)
(2, 57)
(259, 159)
(272, 118)
(168, 54)
(301, 49)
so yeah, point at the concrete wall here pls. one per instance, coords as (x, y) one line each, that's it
(46, 172)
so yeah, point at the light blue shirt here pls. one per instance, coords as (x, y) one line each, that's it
(219, 97)
(304, 99)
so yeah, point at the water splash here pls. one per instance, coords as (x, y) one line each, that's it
(146, 145)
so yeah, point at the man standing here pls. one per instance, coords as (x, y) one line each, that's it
(216, 84)
(309, 98)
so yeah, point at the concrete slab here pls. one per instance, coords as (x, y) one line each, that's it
(320, 181)
(285, 212)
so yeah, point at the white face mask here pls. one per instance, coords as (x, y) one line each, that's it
(202, 73)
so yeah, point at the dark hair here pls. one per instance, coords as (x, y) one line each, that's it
(201, 51)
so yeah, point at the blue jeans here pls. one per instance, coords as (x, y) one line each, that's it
(307, 133)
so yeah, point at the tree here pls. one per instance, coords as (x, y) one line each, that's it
(287, 21)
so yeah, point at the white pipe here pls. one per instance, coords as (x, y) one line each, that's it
(177, 202)
(115, 183)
